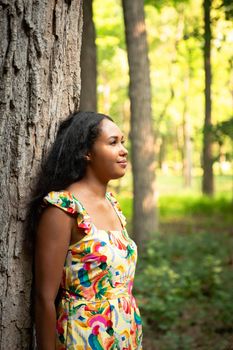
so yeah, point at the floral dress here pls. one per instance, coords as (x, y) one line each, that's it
(96, 309)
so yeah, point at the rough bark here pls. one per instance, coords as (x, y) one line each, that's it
(187, 150)
(39, 85)
(207, 181)
(142, 136)
(88, 98)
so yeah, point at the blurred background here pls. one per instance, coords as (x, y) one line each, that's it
(184, 280)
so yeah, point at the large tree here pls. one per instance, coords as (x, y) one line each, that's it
(208, 180)
(39, 85)
(142, 136)
(88, 99)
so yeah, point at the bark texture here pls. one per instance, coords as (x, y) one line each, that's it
(142, 136)
(88, 99)
(207, 181)
(187, 149)
(39, 86)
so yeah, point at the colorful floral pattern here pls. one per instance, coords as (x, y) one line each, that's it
(96, 307)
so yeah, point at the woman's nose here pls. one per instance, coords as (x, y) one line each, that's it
(123, 150)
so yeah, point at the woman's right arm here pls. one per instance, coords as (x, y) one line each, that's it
(52, 242)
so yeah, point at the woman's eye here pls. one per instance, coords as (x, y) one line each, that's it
(115, 142)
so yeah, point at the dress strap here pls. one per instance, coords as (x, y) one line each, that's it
(117, 208)
(67, 202)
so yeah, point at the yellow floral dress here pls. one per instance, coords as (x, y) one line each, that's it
(96, 309)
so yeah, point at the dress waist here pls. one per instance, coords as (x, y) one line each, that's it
(114, 293)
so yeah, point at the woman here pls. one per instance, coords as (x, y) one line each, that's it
(84, 258)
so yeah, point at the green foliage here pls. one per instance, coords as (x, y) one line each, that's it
(112, 59)
(182, 278)
(161, 3)
(225, 128)
(228, 7)
(175, 38)
(195, 205)
(175, 202)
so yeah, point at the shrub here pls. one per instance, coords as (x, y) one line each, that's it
(177, 271)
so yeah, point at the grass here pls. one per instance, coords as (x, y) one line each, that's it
(189, 213)
(170, 184)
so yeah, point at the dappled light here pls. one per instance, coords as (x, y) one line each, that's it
(140, 28)
(148, 202)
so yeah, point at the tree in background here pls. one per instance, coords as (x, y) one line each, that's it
(40, 85)
(141, 134)
(187, 149)
(208, 180)
(88, 98)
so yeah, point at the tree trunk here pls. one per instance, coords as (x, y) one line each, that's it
(142, 137)
(187, 152)
(207, 181)
(88, 98)
(39, 85)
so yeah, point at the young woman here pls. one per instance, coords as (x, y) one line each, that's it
(84, 258)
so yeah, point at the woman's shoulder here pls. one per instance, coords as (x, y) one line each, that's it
(66, 201)
(63, 200)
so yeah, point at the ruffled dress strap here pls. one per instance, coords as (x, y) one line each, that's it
(67, 202)
(117, 208)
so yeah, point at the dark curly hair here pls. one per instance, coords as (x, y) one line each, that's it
(65, 162)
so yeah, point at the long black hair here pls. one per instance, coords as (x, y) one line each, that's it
(65, 163)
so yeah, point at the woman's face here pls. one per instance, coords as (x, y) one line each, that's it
(108, 157)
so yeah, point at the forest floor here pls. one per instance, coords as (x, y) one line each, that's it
(205, 322)
(184, 281)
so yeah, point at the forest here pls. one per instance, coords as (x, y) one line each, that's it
(163, 70)
(184, 276)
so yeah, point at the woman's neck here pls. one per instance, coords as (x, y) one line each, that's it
(89, 186)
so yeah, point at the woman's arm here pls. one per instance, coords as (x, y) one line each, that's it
(52, 242)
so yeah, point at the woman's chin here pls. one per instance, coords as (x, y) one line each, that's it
(118, 175)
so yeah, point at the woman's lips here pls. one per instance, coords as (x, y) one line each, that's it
(123, 163)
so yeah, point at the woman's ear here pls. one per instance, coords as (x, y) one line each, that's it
(88, 157)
